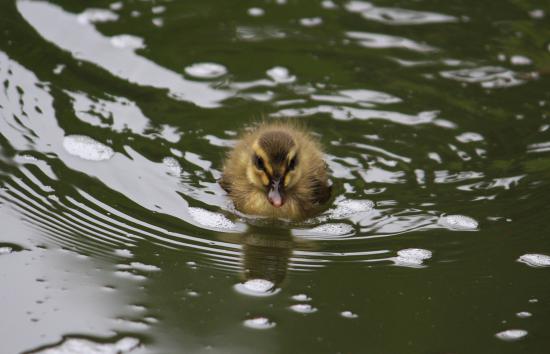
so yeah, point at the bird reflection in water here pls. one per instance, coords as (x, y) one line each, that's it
(265, 257)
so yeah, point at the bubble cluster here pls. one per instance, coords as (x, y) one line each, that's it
(511, 335)
(206, 70)
(458, 222)
(211, 219)
(87, 148)
(257, 287)
(411, 257)
(259, 323)
(535, 260)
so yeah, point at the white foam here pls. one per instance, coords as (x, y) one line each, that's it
(469, 137)
(79, 345)
(116, 6)
(303, 308)
(411, 257)
(335, 229)
(511, 334)
(311, 21)
(130, 275)
(520, 60)
(124, 253)
(256, 11)
(259, 323)
(348, 314)
(535, 260)
(157, 21)
(524, 314)
(300, 297)
(211, 219)
(537, 13)
(328, 4)
(144, 267)
(192, 293)
(127, 41)
(206, 70)
(173, 165)
(96, 15)
(281, 75)
(158, 9)
(257, 287)
(87, 148)
(349, 207)
(458, 222)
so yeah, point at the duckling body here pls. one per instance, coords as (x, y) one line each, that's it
(277, 170)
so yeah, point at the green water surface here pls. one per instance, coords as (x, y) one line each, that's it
(113, 127)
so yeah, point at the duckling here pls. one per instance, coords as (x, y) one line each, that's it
(277, 170)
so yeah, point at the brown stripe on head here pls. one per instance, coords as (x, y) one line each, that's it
(277, 145)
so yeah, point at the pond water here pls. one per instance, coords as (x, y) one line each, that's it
(115, 117)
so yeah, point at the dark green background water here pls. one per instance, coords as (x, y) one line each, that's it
(435, 119)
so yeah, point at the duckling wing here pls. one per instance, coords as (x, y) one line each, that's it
(321, 191)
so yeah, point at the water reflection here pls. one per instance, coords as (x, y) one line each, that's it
(267, 255)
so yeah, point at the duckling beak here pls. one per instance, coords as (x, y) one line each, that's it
(275, 194)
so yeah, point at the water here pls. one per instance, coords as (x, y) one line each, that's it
(114, 121)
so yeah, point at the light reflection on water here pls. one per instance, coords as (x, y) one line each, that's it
(123, 189)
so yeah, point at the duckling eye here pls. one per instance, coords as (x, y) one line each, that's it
(292, 164)
(259, 162)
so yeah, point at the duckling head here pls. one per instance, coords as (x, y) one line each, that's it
(274, 165)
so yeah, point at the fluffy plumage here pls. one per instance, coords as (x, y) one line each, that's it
(277, 170)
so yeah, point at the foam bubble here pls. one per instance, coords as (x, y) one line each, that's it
(80, 345)
(303, 308)
(348, 314)
(411, 257)
(158, 9)
(129, 275)
(144, 267)
(524, 314)
(469, 137)
(511, 334)
(173, 165)
(335, 230)
(256, 11)
(280, 74)
(520, 60)
(257, 287)
(127, 41)
(211, 219)
(259, 323)
(458, 222)
(206, 70)
(311, 22)
(328, 4)
(535, 260)
(87, 148)
(300, 297)
(124, 253)
(349, 207)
